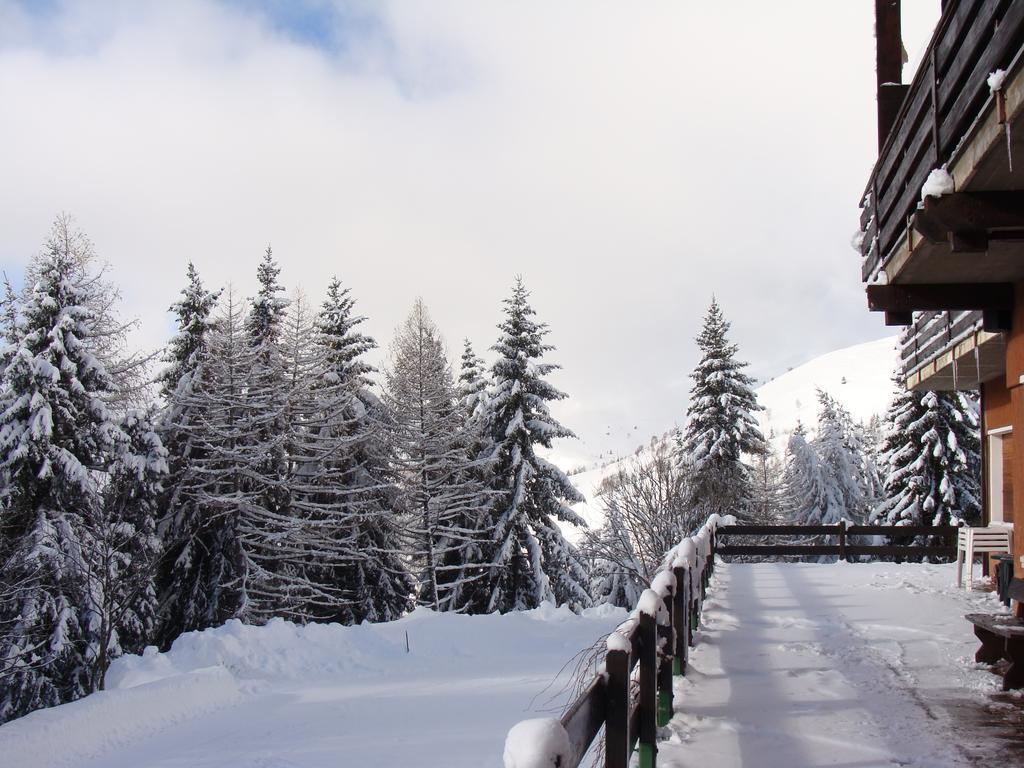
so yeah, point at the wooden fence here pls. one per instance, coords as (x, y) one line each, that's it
(632, 696)
(842, 534)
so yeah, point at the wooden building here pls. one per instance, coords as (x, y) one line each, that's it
(951, 266)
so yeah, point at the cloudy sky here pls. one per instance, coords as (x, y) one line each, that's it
(628, 159)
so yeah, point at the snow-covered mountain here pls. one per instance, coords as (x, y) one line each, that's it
(858, 377)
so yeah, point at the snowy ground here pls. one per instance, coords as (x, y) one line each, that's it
(798, 665)
(845, 664)
(282, 697)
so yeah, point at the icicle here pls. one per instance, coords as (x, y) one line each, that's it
(954, 370)
(1009, 149)
(977, 364)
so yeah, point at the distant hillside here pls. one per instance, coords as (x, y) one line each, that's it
(858, 377)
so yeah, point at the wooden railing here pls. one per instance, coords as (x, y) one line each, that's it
(841, 533)
(632, 696)
(949, 91)
(934, 333)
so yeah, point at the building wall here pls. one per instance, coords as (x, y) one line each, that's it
(1015, 410)
(996, 451)
(995, 404)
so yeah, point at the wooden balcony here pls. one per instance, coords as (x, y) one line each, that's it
(949, 117)
(950, 350)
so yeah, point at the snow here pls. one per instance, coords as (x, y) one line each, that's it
(938, 183)
(664, 582)
(796, 664)
(870, 664)
(650, 603)
(995, 80)
(320, 695)
(686, 555)
(619, 641)
(537, 743)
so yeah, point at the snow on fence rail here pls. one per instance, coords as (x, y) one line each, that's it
(631, 696)
(842, 548)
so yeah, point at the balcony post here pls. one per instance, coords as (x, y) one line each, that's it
(889, 65)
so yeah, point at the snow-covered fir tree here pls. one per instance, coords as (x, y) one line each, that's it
(442, 498)
(354, 477)
(530, 559)
(824, 480)
(932, 455)
(765, 502)
(841, 455)
(721, 427)
(187, 527)
(9, 304)
(121, 549)
(473, 382)
(804, 497)
(128, 370)
(186, 349)
(56, 433)
(265, 522)
(203, 580)
(471, 595)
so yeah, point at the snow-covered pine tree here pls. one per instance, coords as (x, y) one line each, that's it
(128, 371)
(803, 489)
(185, 526)
(354, 477)
(311, 541)
(8, 325)
(442, 499)
(185, 351)
(530, 559)
(765, 505)
(471, 595)
(121, 548)
(264, 521)
(473, 381)
(721, 427)
(931, 453)
(327, 427)
(55, 432)
(205, 577)
(824, 479)
(841, 456)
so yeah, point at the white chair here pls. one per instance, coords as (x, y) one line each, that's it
(972, 541)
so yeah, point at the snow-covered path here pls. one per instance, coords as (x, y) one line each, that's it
(846, 664)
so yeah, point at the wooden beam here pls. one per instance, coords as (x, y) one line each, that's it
(996, 320)
(968, 242)
(889, 65)
(966, 219)
(939, 297)
(899, 318)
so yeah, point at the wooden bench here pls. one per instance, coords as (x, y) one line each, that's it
(1002, 637)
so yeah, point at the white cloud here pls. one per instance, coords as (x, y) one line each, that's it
(628, 160)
